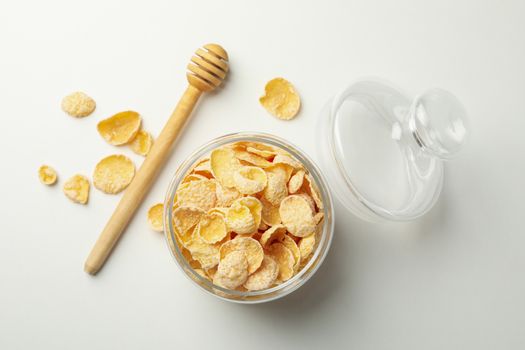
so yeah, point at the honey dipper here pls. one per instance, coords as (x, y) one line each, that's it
(206, 71)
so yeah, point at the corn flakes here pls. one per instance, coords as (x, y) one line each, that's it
(272, 234)
(47, 175)
(113, 173)
(185, 219)
(226, 196)
(212, 228)
(270, 213)
(223, 164)
(296, 182)
(280, 99)
(198, 194)
(232, 271)
(78, 105)
(284, 258)
(255, 207)
(142, 143)
(297, 216)
(252, 159)
(77, 189)
(240, 220)
(265, 276)
(155, 214)
(246, 217)
(249, 246)
(206, 254)
(249, 179)
(120, 128)
(306, 246)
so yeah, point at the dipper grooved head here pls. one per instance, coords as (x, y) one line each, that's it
(208, 67)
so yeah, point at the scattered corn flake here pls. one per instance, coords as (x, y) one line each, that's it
(47, 175)
(240, 219)
(263, 226)
(255, 207)
(76, 188)
(226, 196)
(142, 143)
(281, 99)
(232, 271)
(272, 234)
(306, 246)
(249, 179)
(223, 164)
(252, 159)
(212, 228)
(113, 173)
(284, 258)
(297, 216)
(78, 104)
(265, 276)
(155, 215)
(296, 181)
(249, 246)
(120, 128)
(290, 244)
(199, 194)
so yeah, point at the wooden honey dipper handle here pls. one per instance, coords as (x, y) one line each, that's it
(206, 71)
(141, 182)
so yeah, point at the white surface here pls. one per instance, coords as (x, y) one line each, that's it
(452, 280)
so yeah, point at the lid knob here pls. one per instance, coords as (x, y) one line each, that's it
(439, 122)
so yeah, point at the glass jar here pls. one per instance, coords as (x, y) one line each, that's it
(280, 290)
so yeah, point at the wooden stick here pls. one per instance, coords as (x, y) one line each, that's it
(158, 154)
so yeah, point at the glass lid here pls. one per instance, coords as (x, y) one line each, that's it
(384, 151)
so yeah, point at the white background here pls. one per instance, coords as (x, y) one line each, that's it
(452, 280)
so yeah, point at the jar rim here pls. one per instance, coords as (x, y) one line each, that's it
(284, 288)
